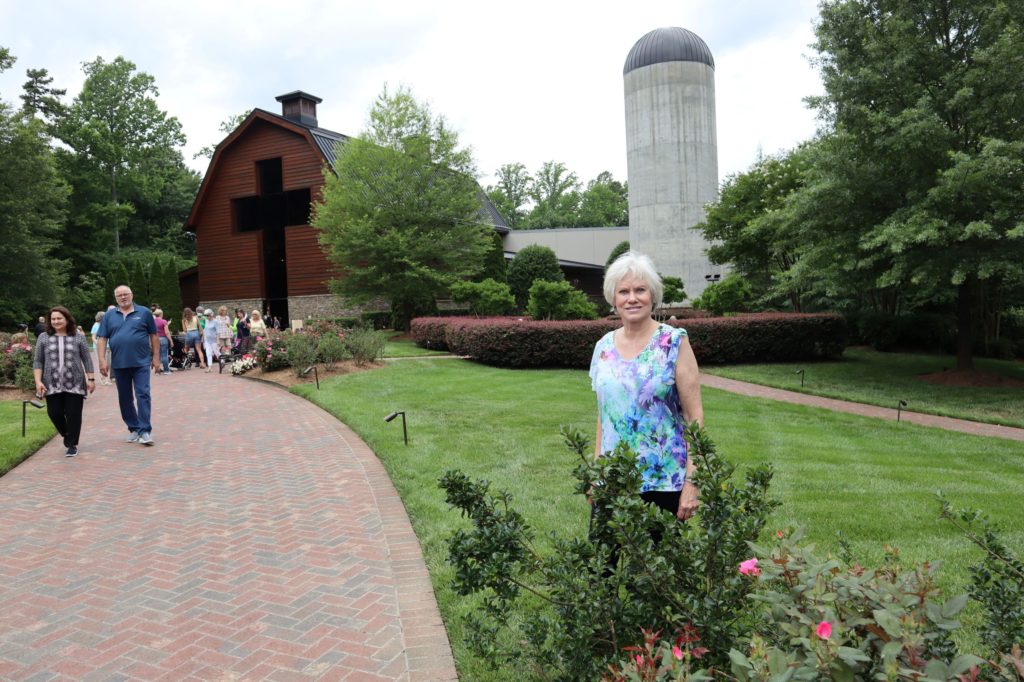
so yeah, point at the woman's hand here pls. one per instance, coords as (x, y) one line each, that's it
(90, 386)
(689, 501)
(40, 389)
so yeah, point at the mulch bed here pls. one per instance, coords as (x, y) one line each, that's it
(286, 377)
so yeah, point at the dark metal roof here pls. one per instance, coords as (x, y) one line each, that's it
(670, 44)
(563, 263)
(298, 94)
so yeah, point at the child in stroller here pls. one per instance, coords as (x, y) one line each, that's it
(180, 358)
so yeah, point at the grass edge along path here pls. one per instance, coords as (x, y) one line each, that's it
(875, 378)
(871, 480)
(13, 448)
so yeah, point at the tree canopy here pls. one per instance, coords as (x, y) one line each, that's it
(912, 195)
(400, 214)
(554, 197)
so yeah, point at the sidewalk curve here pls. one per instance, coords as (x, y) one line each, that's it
(259, 539)
(948, 423)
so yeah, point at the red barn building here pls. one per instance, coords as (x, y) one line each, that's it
(255, 248)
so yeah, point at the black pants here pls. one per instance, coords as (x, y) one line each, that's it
(65, 411)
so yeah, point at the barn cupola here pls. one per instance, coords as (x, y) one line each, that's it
(300, 107)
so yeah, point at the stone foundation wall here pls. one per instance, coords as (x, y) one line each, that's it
(327, 306)
(246, 304)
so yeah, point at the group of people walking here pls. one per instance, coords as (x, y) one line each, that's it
(129, 341)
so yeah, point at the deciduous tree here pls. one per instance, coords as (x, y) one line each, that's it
(400, 215)
(555, 192)
(511, 193)
(115, 129)
(924, 99)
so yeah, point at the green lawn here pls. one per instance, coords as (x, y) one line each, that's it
(406, 348)
(867, 376)
(872, 480)
(13, 448)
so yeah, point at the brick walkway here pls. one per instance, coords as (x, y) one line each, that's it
(259, 539)
(962, 425)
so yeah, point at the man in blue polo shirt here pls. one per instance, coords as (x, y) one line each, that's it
(130, 331)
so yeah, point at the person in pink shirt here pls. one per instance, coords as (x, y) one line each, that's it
(163, 332)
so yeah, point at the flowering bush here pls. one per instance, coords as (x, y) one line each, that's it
(272, 353)
(244, 364)
(662, 660)
(16, 366)
(831, 619)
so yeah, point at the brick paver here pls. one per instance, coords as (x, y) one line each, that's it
(962, 425)
(259, 539)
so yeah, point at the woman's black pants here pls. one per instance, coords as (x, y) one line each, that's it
(65, 411)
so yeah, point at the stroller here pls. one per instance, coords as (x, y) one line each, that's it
(180, 357)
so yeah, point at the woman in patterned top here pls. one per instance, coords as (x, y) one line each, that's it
(64, 374)
(648, 389)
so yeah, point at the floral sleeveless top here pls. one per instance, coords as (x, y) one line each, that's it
(638, 404)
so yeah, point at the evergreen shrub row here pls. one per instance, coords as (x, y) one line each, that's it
(519, 342)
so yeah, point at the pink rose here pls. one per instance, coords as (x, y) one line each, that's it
(677, 652)
(824, 629)
(749, 567)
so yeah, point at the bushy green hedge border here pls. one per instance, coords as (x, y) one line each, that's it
(519, 342)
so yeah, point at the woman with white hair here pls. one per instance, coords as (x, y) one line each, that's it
(211, 334)
(648, 388)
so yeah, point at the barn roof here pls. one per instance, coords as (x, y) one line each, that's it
(326, 141)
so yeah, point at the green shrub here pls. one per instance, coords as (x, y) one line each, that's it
(532, 263)
(673, 289)
(24, 378)
(484, 298)
(331, 349)
(301, 351)
(732, 295)
(15, 362)
(584, 607)
(559, 301)
(377, 319)
(997, 583)
(365, 345)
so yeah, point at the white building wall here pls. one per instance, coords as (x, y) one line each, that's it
(590, 245)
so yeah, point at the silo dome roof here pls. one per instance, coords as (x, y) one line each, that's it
(671, 44)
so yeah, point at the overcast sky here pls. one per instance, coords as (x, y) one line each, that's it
(525, 81)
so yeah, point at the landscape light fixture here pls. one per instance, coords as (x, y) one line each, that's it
(899, 405)
(24, 405)
(712, 279)
(801, 373)
(316, 374)
(405, 433)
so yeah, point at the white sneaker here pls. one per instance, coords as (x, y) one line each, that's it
(145, 438)
(133, 437)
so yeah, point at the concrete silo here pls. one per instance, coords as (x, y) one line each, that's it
(672, 151)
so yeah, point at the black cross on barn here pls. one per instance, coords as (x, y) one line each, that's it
(270, 211)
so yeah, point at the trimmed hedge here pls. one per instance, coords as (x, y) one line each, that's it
(518, 342)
